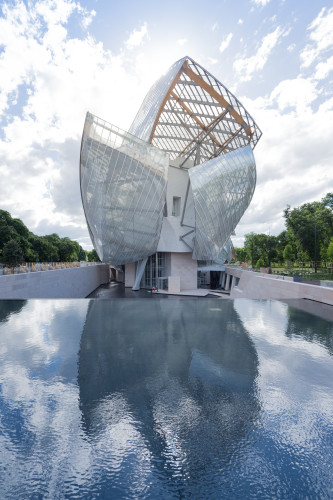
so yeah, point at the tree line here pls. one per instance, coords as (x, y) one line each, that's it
(308, 237)
(18, 244)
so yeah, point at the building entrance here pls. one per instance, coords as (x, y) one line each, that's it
(154, 274)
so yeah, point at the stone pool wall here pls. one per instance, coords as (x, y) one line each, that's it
(71, 283)
(251, 285)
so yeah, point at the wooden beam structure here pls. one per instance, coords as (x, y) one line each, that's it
(205, 111)
(220, 99)
(166, 97)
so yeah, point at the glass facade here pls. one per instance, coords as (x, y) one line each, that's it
(123, 183)
(190, 120)
(222, 190)
(155, 271)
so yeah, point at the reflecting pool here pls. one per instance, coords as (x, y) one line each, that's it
(141, 398)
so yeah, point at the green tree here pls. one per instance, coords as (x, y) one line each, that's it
(14, 229)
(68, 250)
(252, 247)
(38, 248)
(42, 248)
(261, 246)
(330, 251)
(283, 239)
(7, 231)
(241, 254)
(92, 256)
(20, 228)
(327, 201)
(260, 263)
(288, 254)
(310, 226)
(82, 254)
(12, 254)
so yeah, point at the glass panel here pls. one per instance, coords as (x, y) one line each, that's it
(123, 189)
(155, 271)
(143, 123)
(222, 190)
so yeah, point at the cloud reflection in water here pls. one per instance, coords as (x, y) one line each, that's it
(142, 398)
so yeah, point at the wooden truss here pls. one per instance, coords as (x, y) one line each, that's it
(199, 118)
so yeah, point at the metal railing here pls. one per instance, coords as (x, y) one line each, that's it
(33, 267)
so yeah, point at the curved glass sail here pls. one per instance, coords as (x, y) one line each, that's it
(190, 114)
(222, 190)
(123, 184)
(152, 103)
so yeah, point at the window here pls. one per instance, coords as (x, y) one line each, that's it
(176, 206)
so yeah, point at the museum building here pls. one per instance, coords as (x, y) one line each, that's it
(165, 197)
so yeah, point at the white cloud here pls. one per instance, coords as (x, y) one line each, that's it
(294, 157)
(261, 2)
(225, 42)
(137, 37)
(56, 79)
(52, 79)
(291, 47)
(321, 36)
(214, 26)
(247, 66)
(87, 17)
(240, 21)
(298, 93)
(54, 12)
(182, 41)
(323, 69)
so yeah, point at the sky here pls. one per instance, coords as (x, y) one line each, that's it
(60, 59)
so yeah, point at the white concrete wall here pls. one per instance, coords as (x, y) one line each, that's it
(171, 229)
(177, 184)
(129, 274)
(174, 284)
(185, 267)
(76, 282)
(266, 286)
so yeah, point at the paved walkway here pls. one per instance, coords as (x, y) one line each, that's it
(115, 290)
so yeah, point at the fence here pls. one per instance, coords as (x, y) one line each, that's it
(319, 265)
(32, 267)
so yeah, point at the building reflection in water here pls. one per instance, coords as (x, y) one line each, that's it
(9, 307)
(174, 381)
(148, 399)
(311, 321)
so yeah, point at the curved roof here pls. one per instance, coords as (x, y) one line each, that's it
(190, 114)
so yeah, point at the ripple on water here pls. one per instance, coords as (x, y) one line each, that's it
(118, 400)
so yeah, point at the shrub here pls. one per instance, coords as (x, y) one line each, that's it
(260, 263)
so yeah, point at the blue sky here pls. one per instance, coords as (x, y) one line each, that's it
(59, 59)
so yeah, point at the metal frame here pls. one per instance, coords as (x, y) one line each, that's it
(194, 98)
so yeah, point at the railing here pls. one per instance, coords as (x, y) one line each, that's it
(324, 266)
(306, 273)
(32, 267)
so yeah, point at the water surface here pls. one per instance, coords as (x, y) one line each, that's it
(138, 398)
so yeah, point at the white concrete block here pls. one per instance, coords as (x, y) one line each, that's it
(174, 284)
(185, 267)
(129, 274)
